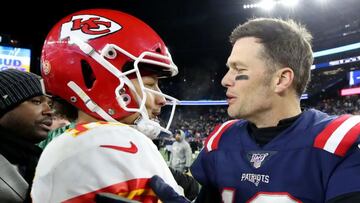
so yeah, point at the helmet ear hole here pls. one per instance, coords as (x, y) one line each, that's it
(88, 74)
(158, 50)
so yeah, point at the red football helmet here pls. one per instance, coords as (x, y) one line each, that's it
(89, 57)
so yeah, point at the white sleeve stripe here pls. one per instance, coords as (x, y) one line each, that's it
(212, 138)
(337, 136)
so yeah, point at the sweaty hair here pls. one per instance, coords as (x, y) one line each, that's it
(286, 44)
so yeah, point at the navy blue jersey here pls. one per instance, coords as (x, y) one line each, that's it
(315, 159)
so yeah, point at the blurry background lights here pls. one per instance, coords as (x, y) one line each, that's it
(267, 4)
(290, 3)
(270, 4)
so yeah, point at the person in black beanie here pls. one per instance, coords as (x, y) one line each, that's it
(25, 119)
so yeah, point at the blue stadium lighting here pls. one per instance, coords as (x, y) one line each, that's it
(337, 50)
(212, 102)
(304, 96)
(202, 102)
(336, 62)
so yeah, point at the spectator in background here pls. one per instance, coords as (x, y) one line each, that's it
(25, 119)
(68, 113)
(196, 143)
(180, 158)
(168, 148)
(193, 145)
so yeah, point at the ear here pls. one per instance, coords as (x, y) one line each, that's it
(284, 79)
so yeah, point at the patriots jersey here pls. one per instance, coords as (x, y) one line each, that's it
(314, 160)
(99, 157)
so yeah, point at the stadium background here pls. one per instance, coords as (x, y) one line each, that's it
(196, 32)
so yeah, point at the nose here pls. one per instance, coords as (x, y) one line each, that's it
(226, 80)
(160, 100)
(47, 109)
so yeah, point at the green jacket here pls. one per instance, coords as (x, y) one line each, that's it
(54, 133)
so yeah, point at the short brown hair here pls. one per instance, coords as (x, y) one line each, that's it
(286, 44)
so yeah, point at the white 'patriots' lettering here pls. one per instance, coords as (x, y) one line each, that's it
(255, 178)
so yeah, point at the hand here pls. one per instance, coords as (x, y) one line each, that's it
(165, 192)
(112, 198)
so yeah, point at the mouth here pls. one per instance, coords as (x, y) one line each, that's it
(46, 124)
(230, 98)
(45, 127)
(155, 115)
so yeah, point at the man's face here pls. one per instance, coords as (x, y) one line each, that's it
(247, 81)
(31, 119)
(153, 103)
(178, 137)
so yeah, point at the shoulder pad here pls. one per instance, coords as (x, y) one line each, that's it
(84, 127)
(213, 139)
(339, 135)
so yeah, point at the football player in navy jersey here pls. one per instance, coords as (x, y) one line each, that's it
(274, 151)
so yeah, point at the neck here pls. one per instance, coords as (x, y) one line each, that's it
(130, 119)
(85, 118)
(281, 109)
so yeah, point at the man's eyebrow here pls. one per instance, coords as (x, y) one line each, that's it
(236, 63)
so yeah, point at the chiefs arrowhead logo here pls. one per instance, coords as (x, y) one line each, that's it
(132, 149)
(86, 27)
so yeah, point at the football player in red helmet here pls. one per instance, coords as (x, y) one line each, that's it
(107, 64)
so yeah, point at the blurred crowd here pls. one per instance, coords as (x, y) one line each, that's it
(340, 105)
(197, 122)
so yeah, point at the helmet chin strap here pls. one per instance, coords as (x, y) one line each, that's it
(150, 128)
(92, 106)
